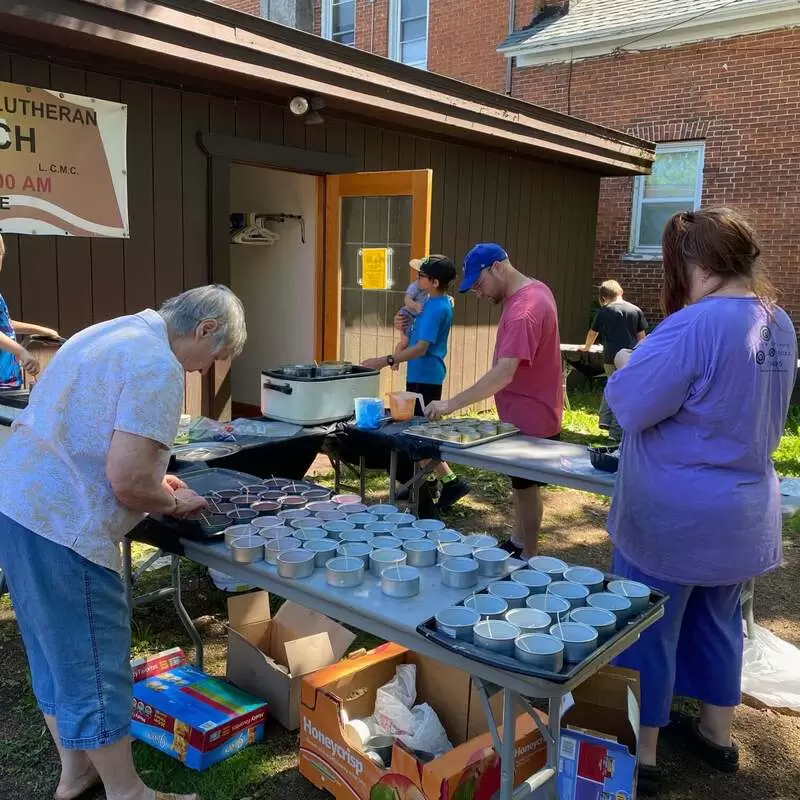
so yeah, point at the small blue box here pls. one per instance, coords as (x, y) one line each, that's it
(196, 719)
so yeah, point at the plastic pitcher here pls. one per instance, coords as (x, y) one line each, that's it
(401, 404)
(369, 412)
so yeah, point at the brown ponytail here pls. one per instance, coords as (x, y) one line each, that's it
(718, 240)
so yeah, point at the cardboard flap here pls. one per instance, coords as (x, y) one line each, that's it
(302, 622)
(248, 609)
(308, 654)
(607, 703)
(633, 713)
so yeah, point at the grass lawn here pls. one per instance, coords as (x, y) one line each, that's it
(573, 528)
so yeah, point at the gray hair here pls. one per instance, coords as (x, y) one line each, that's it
(182, 314)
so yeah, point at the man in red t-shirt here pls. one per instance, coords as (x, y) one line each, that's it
(525, 377)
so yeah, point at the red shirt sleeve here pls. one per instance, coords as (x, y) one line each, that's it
(519, 339)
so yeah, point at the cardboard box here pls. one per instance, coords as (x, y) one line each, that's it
(471, 771)
(598, 756)
(196, 719)
(269, 657)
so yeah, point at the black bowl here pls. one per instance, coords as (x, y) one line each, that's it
(604, 457)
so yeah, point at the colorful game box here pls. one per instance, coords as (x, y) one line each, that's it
(196, 719)
(600, 739)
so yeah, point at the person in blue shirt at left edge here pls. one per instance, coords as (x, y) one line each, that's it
(13, 356)
(426, 351)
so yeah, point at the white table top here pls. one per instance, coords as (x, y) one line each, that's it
(392, 619)
(576, 348)
(562, 464)
(544, 460)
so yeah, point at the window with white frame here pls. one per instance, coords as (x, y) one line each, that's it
(408, 32)
(676, 184)
(339, 21)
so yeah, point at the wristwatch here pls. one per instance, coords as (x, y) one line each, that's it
(389, 361)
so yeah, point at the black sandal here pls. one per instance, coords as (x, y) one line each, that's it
(724, 759)
(686, 727)
(649, 783)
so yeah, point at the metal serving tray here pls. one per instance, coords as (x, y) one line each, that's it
(628, 635)
(204, 481)
(419, 432)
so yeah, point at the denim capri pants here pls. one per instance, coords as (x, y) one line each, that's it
(74, 621)
(695, 650)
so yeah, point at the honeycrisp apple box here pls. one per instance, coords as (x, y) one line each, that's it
(196, 719)
(346, 691)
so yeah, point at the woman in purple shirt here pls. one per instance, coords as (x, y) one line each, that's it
(696, 513)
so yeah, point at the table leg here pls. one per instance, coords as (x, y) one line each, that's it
(183, 614)
(127, 573)
(554, 727)
(362, 478)
(509, 736)
(393, 476)
(566, 370)
(506, 748)
(337, 474)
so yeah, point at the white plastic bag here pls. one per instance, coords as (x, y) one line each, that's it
(417, 727)
(393, 702)
(771, 670)
(427, 734)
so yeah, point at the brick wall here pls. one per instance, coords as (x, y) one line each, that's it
(248, 6)
(460, 45)
(741, 95)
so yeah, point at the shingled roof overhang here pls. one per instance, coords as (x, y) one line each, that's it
(226, 47)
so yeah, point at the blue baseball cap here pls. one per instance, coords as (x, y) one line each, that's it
(481, 257)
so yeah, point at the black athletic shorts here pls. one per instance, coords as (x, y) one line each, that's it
(523, 483)
(429, 392)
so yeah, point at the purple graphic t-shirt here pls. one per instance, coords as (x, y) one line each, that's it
(703, 403)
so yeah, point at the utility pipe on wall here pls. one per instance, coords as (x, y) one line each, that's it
(512, 17)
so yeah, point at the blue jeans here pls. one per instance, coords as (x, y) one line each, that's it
(74, 622)
(695, 650)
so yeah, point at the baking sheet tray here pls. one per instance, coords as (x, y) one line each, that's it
(204, 481)
(418, 431)
(630, 631)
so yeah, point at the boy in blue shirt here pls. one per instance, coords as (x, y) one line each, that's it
(425, 354)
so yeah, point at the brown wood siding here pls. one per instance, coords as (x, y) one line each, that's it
(544, 214)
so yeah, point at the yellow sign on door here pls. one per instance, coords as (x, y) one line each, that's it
(373, 268)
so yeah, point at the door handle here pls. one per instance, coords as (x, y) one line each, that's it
(284, 389)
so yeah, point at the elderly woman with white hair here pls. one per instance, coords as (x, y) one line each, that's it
(84, 463)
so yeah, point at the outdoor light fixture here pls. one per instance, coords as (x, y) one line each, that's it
(299, 105)
(307, 107)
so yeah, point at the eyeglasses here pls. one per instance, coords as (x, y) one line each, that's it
(478, 283)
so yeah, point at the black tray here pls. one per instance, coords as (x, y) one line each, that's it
(469, 650)
(205, 480)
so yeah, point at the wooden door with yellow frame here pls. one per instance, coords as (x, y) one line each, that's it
(375, 223)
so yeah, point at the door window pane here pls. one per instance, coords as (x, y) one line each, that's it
(367, 315)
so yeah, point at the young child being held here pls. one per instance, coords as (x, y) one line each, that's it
(413, 302)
